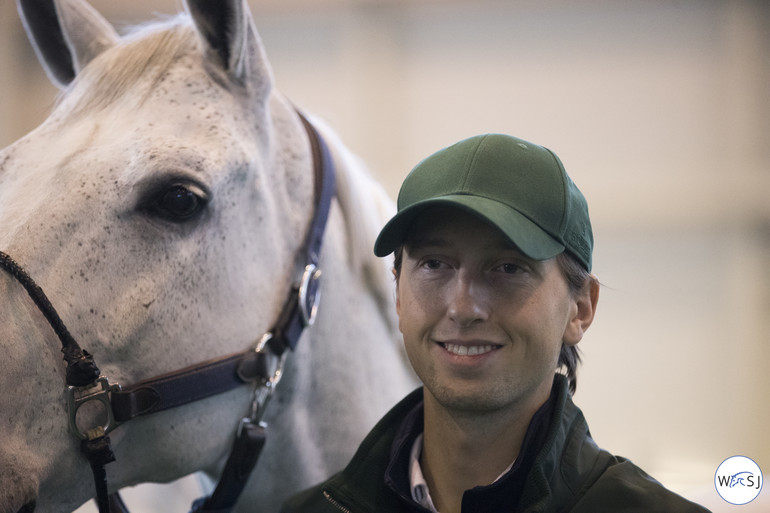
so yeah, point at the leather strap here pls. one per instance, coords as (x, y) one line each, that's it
(243, 457)
(116, 504)
(292, 322)
(188, 385)
(99, 453)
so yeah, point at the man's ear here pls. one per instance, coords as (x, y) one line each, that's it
(397, 276)
(586, 302)
(398, 301)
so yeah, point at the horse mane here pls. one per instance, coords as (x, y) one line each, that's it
(146, 52)
(365, 208)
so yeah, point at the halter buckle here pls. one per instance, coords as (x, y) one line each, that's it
(263, 391)
(309, 294)
(78, 396)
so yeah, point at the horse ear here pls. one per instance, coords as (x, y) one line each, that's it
(232, 43)
(66, 35)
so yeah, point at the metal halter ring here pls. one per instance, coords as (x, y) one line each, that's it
(309, 294)
(78, 396)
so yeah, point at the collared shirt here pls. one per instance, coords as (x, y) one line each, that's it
(420, 491)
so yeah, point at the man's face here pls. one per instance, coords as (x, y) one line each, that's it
(482, 324)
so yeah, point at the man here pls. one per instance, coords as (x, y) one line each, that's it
(493, 245)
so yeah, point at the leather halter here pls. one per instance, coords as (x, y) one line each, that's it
(85, 382)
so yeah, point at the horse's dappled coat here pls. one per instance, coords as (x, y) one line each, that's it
(184, 103)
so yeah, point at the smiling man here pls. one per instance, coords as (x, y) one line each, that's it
(493, 245)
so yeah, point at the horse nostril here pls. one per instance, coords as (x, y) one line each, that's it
(27, 508)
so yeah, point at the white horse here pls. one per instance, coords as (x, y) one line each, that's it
(161, 208)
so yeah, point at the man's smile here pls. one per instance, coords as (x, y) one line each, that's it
(468, 349)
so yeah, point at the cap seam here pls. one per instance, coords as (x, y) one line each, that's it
(472, 162)
(564, 222)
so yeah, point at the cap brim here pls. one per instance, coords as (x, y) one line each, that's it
(529, 238)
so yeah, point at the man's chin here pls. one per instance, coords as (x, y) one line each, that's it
(471, 399)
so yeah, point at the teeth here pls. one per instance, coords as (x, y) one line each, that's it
(468, 350)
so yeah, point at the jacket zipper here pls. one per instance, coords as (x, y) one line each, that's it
(344, 509)
(335, 503)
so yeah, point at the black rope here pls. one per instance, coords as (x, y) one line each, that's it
(81, 368)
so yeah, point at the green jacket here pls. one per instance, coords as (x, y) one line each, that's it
(564, 471)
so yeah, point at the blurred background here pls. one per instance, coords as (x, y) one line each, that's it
(660, 111)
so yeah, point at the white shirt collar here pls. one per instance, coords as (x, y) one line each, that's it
(420, 491)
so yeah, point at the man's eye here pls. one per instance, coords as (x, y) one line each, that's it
(510, 268)
(432, 264)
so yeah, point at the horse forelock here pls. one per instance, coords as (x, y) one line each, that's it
(132, 69)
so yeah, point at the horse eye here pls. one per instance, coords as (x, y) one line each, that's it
(178, 204)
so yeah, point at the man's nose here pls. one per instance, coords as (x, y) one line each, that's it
(467, 303)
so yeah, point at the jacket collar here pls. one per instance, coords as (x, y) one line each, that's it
(557, 456)
(503, 494)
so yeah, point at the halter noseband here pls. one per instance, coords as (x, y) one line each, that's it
(85, 383)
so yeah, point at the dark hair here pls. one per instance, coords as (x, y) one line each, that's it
(576, 276)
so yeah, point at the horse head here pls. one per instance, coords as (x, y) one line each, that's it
(161, 207)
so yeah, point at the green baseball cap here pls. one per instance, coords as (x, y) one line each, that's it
(519, 187)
